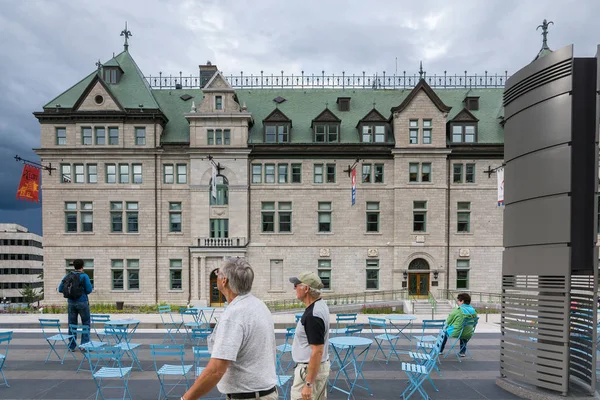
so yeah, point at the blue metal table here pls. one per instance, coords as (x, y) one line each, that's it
(403, 321)
(122, 332)
(351, 363)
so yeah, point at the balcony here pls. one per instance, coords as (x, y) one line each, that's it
(222, 242)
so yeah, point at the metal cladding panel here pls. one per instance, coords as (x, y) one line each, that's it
(528, 260)
(543, 125)
(527, 177)
(545, 220)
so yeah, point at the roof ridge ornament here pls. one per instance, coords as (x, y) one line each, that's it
(421, 72)
(127, 33)
(545, 50)
(98, 65)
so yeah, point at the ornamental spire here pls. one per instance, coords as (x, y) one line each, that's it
(421, 72)
(545, 50)
(127, 34)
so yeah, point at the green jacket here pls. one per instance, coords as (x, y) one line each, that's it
(455, 321)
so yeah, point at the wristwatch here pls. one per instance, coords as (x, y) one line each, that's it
(310, 385)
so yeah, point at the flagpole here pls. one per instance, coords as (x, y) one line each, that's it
(48, 167)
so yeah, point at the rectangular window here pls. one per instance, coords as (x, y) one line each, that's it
(79, 173)
(132, 217)
(61, 136)
(379, 134)
(113, 135)
(175, 274)
(419, 216)
(470, 173)
(140, 136)
(332, 133)
(218, 136)
(366, 173)
(324, 272)
(210, 136)
(426, 131)
(282, 134)
(117, 274)
(70, 217)
(426, 172)
(269, 173)
(218, 102)
(92, 173)
(463, 217)
(372, 275)
(137, 173)
(413, 131)
(457, 172)
(318, 175)
(270, 133)
(116, 216)
(326, 133)
(256, 173)
(87, 216)
(181, 173)
(282, 173)
(457, 132)
(462, 274)
(378, 173)
(227, 136)
(88, 266)
(324, 216)
(413, 172)
(168, 173)
(65, 172)
(174, 217)
(330, 173)
(296, 173)
(268, 216)
(123, 173)
(320, 133)
(111, 173)
(285, 216)
(469, 134)
(86, 135)
(133, 274)
(373, 216)
(100, 135)
(219, 228)
(367, 134)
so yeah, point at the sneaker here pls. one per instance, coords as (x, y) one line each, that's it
(441, 353)
(462, 354)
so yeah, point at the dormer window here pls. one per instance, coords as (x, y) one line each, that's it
(327, 133)
(464, 133)
(218, 102)
(112, 75)
(472, 103)
(373, 127)
(373, 133)
(343, 103)
(277, 133)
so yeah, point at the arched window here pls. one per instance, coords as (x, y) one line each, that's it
(418, 263)
(222, 192)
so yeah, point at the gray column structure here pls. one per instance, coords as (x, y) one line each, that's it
(550, 261)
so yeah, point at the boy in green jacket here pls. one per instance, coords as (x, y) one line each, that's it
(455, 321)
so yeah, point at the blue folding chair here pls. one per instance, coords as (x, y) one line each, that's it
(467, 323)
(200, 335)
(5, 338)
(341, 319)
(283, 381)
(380, 324)
(84, 330)
(169, 323)
(97, 323)
(433, 349)
(417, 373)
(430, 324)
(106, 355)
(200, 353)
(355, 329)
(54, 339)
(120, 336)
(286, 348)
(174, 351)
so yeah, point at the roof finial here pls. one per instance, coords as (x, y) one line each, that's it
(545, 49)
(99, 65)
(421, 72)
(127, 34)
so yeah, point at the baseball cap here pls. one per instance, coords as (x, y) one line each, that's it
(309, 279)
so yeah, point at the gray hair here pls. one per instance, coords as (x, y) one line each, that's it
(314, 293)
(239, 273)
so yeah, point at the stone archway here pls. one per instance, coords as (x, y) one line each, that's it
(215, 297)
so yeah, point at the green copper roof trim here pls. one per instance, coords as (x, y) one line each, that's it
(71, 95)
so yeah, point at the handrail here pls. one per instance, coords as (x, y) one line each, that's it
(341, 299)
(483, 297)
(431, 299)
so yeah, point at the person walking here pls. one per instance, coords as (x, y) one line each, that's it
(242, 345)
(76, 286)
(310, 348)
(455, 320)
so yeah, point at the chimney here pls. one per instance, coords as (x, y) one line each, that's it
(206, 72)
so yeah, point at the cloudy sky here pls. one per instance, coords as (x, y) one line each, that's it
(47, 46)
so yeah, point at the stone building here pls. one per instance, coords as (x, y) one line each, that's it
(134, 196)
(21, 262)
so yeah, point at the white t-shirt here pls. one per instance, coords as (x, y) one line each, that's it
(245, 335)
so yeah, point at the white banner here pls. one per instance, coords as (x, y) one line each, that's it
(213, 189)
(500, 175)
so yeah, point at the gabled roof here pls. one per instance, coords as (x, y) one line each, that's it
(96, 80)
(464, 116)
(277, 116)
(218, 84)
(325, 116)
(422, 85)
(372, 116)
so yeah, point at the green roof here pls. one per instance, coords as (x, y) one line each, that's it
(71, 95)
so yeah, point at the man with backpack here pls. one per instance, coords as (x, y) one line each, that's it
(75, 287)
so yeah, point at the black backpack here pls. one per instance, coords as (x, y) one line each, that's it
(72, 286)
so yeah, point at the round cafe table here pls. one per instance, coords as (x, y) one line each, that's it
(350, 353)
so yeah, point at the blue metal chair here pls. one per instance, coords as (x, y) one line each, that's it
(467, 323)
(106, 355)
(5, 338)
(120, 336)
(193, 323)
(200, 353)
(200, 335)
(180, 369)
(429, 324)
(169, 323)
(341, 319)
(355, 329)
(417, 374)
(286, 348)
(97, 321)
(84, 330)
(54, 339)
(283, 381)
(433, 349)
(380, 324)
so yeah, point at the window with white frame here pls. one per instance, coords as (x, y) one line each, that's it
(137, 173)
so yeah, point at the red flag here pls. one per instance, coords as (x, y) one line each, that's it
(30, 183)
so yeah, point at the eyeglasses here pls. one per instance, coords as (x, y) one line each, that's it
(297, 284)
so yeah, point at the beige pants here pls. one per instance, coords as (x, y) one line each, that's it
(319, 387)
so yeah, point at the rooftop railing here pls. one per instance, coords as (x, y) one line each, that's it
(341, 299)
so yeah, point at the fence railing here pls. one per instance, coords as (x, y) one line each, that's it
(431, 299)
(479, 297)
(341, 299)
(333, 81)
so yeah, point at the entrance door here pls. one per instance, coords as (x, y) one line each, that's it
(418, 284)
(216, 298)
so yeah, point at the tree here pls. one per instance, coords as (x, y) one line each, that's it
(29, 294)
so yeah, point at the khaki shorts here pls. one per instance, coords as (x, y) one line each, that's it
(320, 386)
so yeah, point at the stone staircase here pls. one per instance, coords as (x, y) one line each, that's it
(423, 308)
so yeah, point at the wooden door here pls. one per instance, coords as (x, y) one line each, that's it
(418, 284)
(216, 297)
